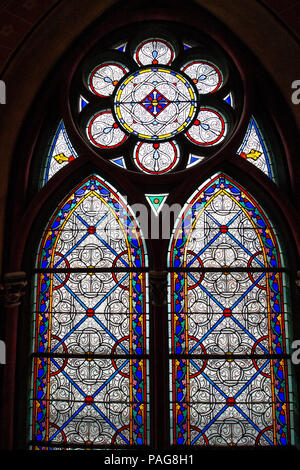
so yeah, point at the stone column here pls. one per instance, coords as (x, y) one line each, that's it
(159, 355)
(12, 290)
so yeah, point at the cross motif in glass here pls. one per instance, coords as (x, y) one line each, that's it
(155, 103)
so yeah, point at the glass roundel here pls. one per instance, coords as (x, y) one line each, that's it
(103, 131)
(105, 77)
(207, 77)
(208, 129)
(154, 51)
(156, 158)
(155, 103)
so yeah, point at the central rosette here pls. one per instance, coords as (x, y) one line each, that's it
(155, 103)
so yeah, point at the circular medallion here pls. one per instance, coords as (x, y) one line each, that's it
(154, 51)
(103, 131)
(156, 158)
(207, 77)
(155, 103)
(208, 129)
(104, 78)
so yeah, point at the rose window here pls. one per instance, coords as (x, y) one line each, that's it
(156, 99)
(155, 103)
(152, 106)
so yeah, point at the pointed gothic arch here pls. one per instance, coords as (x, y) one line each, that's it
(176, 184)
(228, 312)
(91, 321)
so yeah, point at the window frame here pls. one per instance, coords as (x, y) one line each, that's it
(38, 204)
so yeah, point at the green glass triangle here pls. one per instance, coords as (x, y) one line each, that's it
(156, 201)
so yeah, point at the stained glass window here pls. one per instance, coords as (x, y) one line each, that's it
(229, 382)
(156, 201)
(82, 102)
(154, 107)
(205, 75)
(229, 99)
(103, 130)
(156, 158)
(103, 79)
(254, 149)
(142, 102)
(154, 51)
(90, 358)
(208, 129)
(61, 153)
(194, 160)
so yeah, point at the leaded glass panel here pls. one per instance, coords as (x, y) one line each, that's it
(61, 153)
(254, 149)
(90, 357)
(229, 380)
(143, 98)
